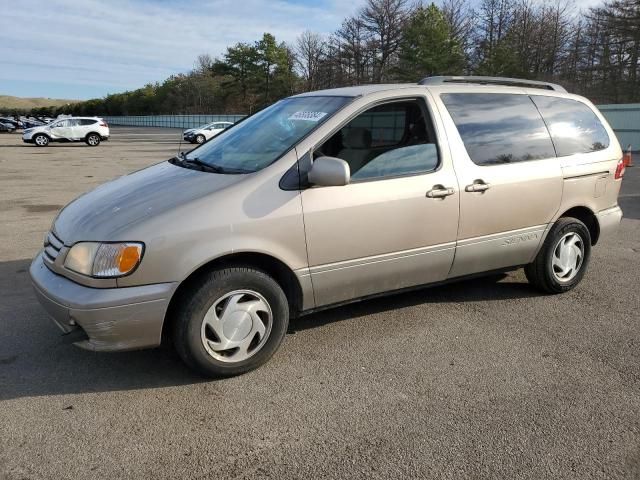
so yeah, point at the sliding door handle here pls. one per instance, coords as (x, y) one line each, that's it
(477, 186)
(438, 191)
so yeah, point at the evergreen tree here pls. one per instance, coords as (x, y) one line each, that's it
(427, 46)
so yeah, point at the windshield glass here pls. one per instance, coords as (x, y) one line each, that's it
(262, 138)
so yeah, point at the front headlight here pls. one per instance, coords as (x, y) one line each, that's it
(104, 260)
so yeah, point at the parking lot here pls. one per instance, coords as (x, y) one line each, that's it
(482, 379)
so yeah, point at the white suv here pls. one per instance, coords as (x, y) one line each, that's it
(206, 132)
(91, 130)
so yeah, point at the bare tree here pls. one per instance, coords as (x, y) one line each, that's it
(309, 51)
(461, 18)
(354, 51)
(204, 63)
(383, 21)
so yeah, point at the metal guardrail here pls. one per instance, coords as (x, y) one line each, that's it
(169, 121)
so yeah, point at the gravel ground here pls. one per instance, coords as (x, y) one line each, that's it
(480, 379)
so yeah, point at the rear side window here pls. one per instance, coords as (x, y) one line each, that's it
(87, 121)
(573, 125)
(499, 128)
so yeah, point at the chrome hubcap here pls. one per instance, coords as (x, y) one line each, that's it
(567, 257)
(236, 326)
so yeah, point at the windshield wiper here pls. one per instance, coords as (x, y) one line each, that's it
(198, 164)
(203, 166)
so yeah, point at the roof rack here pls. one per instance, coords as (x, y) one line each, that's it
(510, 82)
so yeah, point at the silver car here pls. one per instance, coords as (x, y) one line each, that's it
(330, 197)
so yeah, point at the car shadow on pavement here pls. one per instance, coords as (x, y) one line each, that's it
(485, 288)
(35, 360)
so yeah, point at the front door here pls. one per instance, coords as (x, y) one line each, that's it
(395, 224)
(509, 178)
(62, 129)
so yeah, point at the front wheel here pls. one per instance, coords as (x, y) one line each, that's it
(563, 258)
(41, 140)
(231, 322)
(93, 140)
(200, 139)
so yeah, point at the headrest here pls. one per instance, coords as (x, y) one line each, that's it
(418, 130)
(357, 138)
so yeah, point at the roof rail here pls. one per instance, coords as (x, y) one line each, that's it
(510, 82)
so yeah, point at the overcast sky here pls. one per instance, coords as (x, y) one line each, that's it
(81, 49)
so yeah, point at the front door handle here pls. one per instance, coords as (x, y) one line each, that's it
(477, 186)
(438, 191)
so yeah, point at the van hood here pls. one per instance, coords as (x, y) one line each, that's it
(109, 211)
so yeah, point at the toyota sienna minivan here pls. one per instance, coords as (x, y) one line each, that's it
(328, 197)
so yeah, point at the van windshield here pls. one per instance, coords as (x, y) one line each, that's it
(264, 137)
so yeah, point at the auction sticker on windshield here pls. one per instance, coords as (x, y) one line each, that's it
(310, 116)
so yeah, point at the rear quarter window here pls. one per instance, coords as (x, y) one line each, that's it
(87, 121)
(574, 127)
(499, 128)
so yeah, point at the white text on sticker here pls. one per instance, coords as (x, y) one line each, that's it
(309, 116)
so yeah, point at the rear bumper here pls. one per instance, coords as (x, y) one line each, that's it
(609, 221)
(113, 319)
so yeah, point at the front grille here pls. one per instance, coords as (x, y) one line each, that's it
(52, 247)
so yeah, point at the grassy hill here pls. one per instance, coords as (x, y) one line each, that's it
(8, 102)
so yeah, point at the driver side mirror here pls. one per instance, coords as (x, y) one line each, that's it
(329, 172)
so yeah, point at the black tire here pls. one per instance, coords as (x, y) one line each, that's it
(193, 305)
(541, 274)
(200, 139)
(40, 140)
(92, 139)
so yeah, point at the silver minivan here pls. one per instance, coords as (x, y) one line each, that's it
(329, 197)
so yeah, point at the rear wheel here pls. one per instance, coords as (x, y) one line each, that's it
(563, 258)
(41, 140)
(93, 140)
(232, 322)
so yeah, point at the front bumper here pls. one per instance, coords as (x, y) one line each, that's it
(609, 221)
(113, 319)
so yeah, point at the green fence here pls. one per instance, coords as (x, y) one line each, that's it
(170, 121)
(625, 121)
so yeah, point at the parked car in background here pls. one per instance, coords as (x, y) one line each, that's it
(91, 130)
(17, 124)
(330, 197)
(202, 134)
(31, 123)
(7, 127)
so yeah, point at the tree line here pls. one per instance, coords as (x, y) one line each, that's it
(593, 52)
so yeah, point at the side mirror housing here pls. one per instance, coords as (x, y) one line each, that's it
(329, 172)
